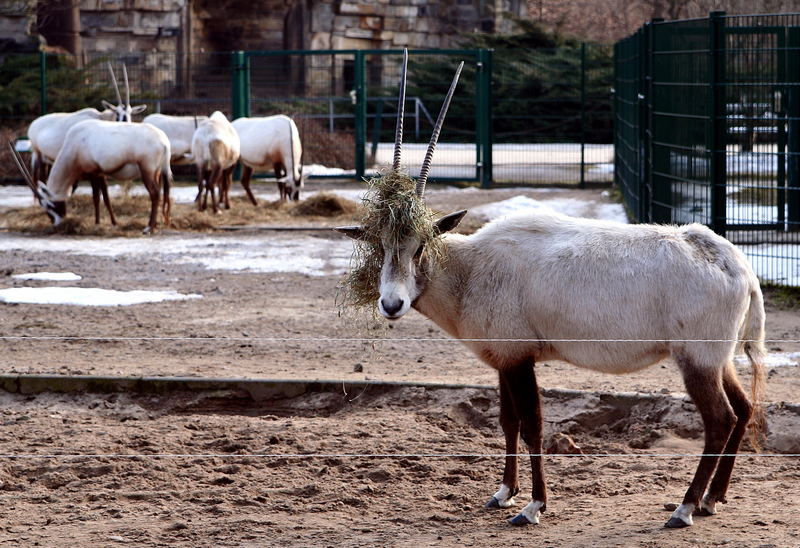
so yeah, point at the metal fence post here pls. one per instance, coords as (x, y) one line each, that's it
(359, 74)
(484, 118)
(43, 82)
(793, 130)
(240, 89)
(583, 114)
(717, 137)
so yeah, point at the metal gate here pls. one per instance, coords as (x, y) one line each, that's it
(345, 103)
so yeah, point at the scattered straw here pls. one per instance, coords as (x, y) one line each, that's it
(392, 211)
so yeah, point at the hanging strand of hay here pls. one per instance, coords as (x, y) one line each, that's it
(393, 210)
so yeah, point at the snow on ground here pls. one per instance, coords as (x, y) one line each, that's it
(49, 276)
(567, 206)
(87, 296)
(774, 359)
(300, 254)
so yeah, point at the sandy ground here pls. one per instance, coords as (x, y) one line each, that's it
(247, 501)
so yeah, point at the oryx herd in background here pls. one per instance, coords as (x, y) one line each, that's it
(67, 147)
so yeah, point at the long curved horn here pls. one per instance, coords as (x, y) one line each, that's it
(426, 164)
(401, 104)
(127, 87)
(114, 80)
(23, 169)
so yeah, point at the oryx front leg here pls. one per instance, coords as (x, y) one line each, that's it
(509, 421)
(521, 383)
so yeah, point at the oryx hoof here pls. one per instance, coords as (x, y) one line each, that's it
(148, 230)
(520, 520)
(497, 503)
(676, 523)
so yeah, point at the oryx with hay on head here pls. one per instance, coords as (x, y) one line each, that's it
(598, 294)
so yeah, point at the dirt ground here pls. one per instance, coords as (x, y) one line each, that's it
(234, 500)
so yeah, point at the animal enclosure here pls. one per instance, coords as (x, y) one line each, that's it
(707, 130)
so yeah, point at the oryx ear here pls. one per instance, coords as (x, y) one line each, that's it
(107, 104)
(449, 222)
(138, 109)
(354, 232)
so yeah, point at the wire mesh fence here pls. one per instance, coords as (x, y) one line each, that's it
(708, 130)
(520, 116)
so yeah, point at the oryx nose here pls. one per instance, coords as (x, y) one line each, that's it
(392, 306)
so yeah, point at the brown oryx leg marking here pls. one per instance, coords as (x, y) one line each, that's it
(744, 411)
(504, 498)
(521, 382)
(212, 182)
(280, 172)
(247, 172)
(227, 178)
(200, 188)
(100, 184)
(95, 198)
(166, 205)
(704, 385)
(151, 184)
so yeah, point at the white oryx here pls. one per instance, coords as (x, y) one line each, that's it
(215, 147)
(599, 294)
(271, 142)
(95, 149)
(179, 130)
(47, 132)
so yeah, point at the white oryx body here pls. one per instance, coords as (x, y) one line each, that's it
(179, 130)
(272, 142)
(215, 147)
(599, 294)
(99, 149)
(47, 133)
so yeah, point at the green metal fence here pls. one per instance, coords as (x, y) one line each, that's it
(707, 129)
(519, 116)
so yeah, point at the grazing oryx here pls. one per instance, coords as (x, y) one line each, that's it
(215, 147)
(179, 130)
(47, 132)
(598, 294)
(272, 142)
(95, 149)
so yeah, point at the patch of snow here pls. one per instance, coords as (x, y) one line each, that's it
(301, 254)
(567, 206)
(774, 359)
(88, 296)
(49, 276)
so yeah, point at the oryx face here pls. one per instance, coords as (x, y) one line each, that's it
(400, 282)
(55, 209)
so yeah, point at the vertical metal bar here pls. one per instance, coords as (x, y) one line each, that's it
(793, 117)
(718, 130)
(240, 92)
(484, 111)
(583, 114)
(43, 82)
(780, 109)
(360, 113)
(376, 127)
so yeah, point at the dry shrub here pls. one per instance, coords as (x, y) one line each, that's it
(320, 146)
(392, 210)
(8, 169)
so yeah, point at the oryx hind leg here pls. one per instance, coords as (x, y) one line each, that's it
(100, 184)
(704, 384)
(509, 422)
(151, 183)
(743, 408)
(247, 173)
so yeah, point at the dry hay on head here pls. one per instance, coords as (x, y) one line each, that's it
(393, 211)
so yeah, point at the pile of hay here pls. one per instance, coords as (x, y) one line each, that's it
(392, 210)
(324, 204)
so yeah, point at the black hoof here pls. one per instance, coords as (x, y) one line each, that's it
(494, 503)
(519, 520)
(702, 512)
(675, 523)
